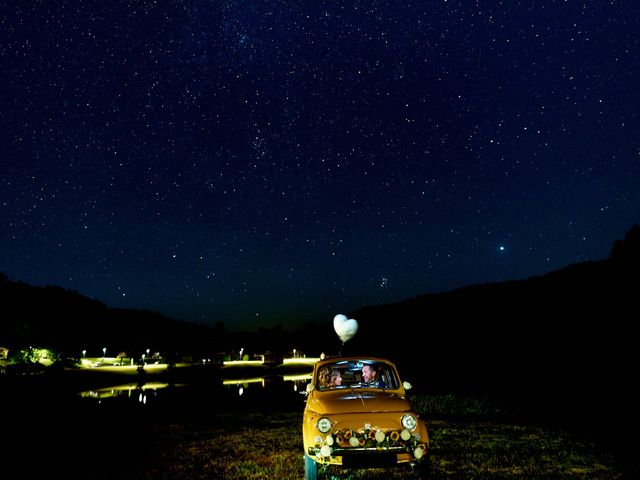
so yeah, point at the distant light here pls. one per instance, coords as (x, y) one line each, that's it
(501, 248)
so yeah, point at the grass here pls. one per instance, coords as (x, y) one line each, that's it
(491, 450)
(252, 446)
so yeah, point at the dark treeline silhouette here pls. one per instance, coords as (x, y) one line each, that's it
(68, 322)
(574, 323)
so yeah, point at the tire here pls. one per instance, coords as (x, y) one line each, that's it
(310, 468)
(422, 470)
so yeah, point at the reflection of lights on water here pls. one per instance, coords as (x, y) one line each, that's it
(127, 390)
(243, 381)
(299, 382)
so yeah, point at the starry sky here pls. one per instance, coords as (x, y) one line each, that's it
(277, 162)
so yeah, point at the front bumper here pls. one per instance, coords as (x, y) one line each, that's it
(363, 449)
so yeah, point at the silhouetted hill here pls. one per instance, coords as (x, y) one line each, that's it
(580, 317)
(561, 345)
(65, 320)
(583, 313)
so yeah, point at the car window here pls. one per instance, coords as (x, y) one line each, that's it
(386, 377)
(343, 374)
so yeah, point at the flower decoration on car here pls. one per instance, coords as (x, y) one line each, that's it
(341, 441)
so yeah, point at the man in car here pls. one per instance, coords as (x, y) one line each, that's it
(370, 375)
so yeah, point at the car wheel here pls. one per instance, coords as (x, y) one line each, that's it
(421, 470)
(310, 468)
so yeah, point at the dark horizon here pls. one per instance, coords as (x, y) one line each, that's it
(629, 240)
(550, 310)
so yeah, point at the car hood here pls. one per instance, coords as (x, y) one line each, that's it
(357, 401)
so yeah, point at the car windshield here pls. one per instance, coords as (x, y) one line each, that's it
(356, 374)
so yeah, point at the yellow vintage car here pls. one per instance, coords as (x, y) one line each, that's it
(357, 415)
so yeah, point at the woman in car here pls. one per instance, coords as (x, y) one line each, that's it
(330, 377)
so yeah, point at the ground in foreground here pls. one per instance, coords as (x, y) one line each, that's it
(261, 446)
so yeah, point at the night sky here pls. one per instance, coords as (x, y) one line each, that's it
(279, 162)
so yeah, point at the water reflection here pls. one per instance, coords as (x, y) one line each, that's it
(298, 382)
(129, 391)
(244, 381)
(252, 389)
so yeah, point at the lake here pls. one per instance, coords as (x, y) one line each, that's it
(273, 392)
(73, 422)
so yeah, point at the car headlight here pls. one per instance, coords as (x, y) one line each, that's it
(324, 425)
(409, 421)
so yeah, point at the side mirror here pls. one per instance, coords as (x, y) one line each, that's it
(310, 387)
(407, 385)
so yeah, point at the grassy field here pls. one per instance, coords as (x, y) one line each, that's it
(259, 446)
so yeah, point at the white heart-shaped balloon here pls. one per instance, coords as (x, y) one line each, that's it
(345, 327)
(339, 320)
